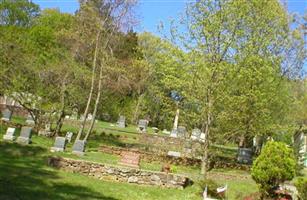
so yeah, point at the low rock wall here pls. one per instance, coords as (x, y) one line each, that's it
(118, 173)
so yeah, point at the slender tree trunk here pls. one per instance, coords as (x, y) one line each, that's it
(92, 87)
(205, 158)
(136, 111)
(96, 104)
(62, 112)
(175, 126)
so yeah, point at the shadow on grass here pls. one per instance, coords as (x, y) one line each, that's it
(96, 140)
(25, 176)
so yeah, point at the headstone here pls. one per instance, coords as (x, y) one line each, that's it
(174, 133)
(45, 132)
(89, 117)
(59, 145)
(181, 132)
(67, 117)
(202, 137)
(6, 115)
(196, 133)
(68, 136)
(9, 135)
(25, 135)
(174, 154)
(121, 123)
(30, 120)
(245, 156)
(130, 159)
(143, 125)
(79, 147)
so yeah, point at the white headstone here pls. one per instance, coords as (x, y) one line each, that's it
(9, 135)
(174, 154)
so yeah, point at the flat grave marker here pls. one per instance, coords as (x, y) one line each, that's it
(174, 154)
(130, 159)
(9, 135)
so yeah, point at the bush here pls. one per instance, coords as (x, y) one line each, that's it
(275, 164)
(301, 186)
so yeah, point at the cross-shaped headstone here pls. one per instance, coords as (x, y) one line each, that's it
(143, 125)
(79, 147)
(121, 123)
(69, 136)
(6, 115)
(59, 145)
(9, 135)
(25, 135)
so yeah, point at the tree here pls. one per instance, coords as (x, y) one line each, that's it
(274, 165)
(235, 42)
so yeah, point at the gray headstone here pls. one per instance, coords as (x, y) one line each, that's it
(9, 135)
(69, 136)
(59, 145)
(174, 133)
(6, 115)
(143, 125)
(30, 120)
(245, 155)
(202, 137)
(25, 135)
(181, 131)
(79, 147)
(121, 123)
(196, 134)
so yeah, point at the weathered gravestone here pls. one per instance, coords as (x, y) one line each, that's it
(79, 147)
(130, 159)
(143, 125)
(68, 136)
(9, 135)
(202, 137)
(30, 120)
(174, 154)
(47, 131)
(59, 144)
(245, 156)
(25, 135)
(196, 134)
(121, 123)
(6, 115)
(181, 132)
(174, 133)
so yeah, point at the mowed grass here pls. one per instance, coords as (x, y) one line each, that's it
(24, 174)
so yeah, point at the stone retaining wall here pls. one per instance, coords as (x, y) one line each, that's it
(118, 173)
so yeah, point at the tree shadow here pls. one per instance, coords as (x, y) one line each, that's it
(24, 175)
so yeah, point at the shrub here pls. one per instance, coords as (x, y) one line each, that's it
(301, 186)
(275, 164)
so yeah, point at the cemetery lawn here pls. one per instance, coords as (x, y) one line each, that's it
(24, 175)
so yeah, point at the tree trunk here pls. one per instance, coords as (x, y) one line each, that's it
(136, 112)
(92, 88)
(205, 158)
(96, 104)
(175, 126)
(62, 112)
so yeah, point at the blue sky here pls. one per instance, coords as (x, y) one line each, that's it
(152, 12)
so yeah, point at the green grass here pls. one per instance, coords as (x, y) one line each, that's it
(24, 174)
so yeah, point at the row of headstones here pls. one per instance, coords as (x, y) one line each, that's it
(7, 115)
(142, 124)
(24, 138)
